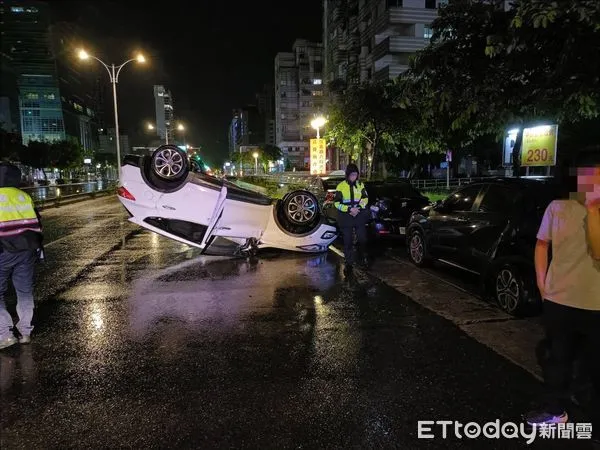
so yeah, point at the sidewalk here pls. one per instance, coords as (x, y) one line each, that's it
(513, 338)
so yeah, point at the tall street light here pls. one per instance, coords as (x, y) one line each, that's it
(113, 73)
(317, 123)
(181, 128)
(255, 155)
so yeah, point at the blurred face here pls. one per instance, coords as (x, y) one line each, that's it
(352, 177)
(588, 182)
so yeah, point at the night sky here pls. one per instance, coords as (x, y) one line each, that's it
(213, 56)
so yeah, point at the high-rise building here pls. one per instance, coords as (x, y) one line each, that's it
(26, 41)
(266, 109)
(246, 128)
(163, 101)
(55, 101)
(372, 40)
(108, 142)
(78, 84)
(9, 96)
(298, 98)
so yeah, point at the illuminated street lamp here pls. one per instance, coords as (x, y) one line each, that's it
(152, 127)
(255, 155)
(113, 73)
(181, 128)
(317, 123)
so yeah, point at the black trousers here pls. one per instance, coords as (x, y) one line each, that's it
(571, 333)
(347, 225)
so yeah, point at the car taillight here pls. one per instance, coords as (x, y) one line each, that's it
(122, 192)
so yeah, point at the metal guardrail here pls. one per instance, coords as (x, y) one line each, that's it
(57, 194)
(442, 183)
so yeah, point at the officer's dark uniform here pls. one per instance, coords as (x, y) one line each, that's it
(20, 240)
(347, 196)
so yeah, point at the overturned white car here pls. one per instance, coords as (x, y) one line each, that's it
(169, 195)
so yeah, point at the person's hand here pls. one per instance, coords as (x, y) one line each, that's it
(354, 211)
(541, 286)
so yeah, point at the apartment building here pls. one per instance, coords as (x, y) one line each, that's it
(299, 96)
(372, 40)
(163, 106)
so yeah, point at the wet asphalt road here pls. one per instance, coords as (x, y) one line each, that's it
(142, 343)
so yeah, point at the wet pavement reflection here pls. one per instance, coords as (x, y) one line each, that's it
(152, 345)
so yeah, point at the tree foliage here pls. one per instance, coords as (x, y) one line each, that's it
(486, 69)
(366, 118)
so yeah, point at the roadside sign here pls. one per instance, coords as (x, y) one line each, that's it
(539, 146)
(318, 157)
(449, 156)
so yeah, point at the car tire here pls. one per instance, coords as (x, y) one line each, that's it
(417, 249)
(301, 208)
(512, 290)
(169, 163)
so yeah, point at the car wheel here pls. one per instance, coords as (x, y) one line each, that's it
(511, 291)
(417, 249)
(169, 163)
(301, 208)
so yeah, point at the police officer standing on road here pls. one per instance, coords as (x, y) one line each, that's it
(20, 242)
(351, 201)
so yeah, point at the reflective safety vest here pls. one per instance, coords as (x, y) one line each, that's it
(17, 213)
(347, 197)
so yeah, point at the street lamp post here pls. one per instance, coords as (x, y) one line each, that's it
(113, 73)
(255, 155)
(181, 128)
(317, 123)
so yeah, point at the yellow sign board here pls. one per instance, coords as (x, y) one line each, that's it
(539, 146)
(318, 157)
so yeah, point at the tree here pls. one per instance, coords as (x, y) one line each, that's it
(462, 88)
(365, 117)
(67, 154)
(10, 145)
(270, 152)
(487, 68)
(36, 155)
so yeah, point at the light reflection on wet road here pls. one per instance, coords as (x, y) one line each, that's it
(143, 343)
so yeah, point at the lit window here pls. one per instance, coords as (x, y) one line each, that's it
(31, 96)
(317, 93)
(427, 33)
(49, 96)
(17, 9)
(317, 81)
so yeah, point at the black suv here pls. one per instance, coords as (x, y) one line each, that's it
(487, 228)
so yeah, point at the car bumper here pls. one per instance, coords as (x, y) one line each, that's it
(385, 227)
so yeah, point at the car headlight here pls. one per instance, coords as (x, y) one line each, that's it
(329, 235)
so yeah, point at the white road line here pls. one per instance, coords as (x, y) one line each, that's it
(337, 251)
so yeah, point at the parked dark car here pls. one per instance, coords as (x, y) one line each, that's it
(489, 229)
(391, 204)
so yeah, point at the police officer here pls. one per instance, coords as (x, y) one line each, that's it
(351, 201)
(20, 242)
